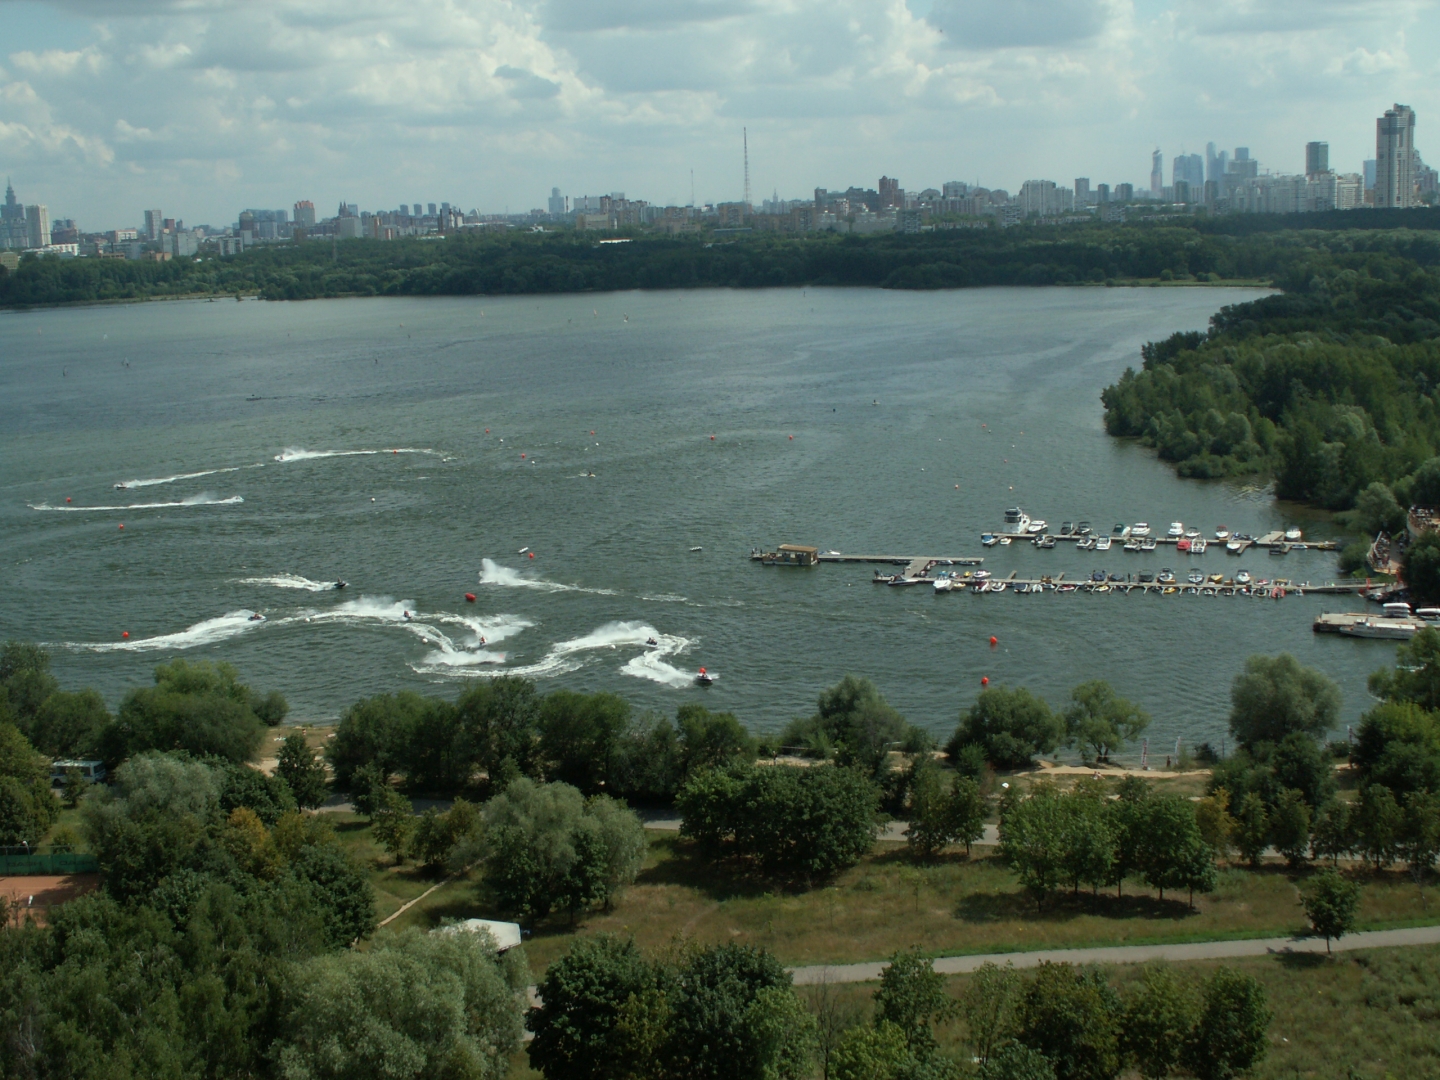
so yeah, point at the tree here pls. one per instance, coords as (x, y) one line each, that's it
(579, 1033)
(416, 1005)
(68, 725)
(912, 997)
(1331, 836)
(1290, 827)
(27, 804)
(1331, 904)
(1276, 696)
(373, 734)
(1016, 1061)
(1100, 721)
(1031, 837)
(1416, 675)
(1129, 824)
(711, 740)
(622, 843)
(1217, 827)
(648, 765)
(1420, 569)
(1011, 726)
(803, 822)
(202, 709)
(1170, 844)
(1252, 834)
(1230, 1036)
(876, 1052)
(853, 720)
(341, 890)
(435, 755)
(501, 721)
(1298, 762)
(1420, 835)
(393, 822)
(1087, 841)
(942, 813)
(579, 735)
(300, 768)
(1377, 511)
(1376, 821)
(1160, 1013)
(241, 785)
(26, 679)
(1398, 743)
(1072, 1016)
(989, 1005)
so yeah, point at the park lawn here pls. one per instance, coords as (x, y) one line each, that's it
(394, 885)
(949, 907)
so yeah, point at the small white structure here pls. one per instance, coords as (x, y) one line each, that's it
(506, 935)
(92, 771)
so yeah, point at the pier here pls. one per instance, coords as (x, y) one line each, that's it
(1270, 541)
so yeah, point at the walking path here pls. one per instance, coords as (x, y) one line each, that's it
(1133, 954)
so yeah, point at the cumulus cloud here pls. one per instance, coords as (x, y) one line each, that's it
(208, 106)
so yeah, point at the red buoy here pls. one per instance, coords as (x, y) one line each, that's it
(984, 680)
(994, 640)
(67, 498)
(487, 431)
(469, 597)
(125, 634)
(532, 554)
(592, 433)
(792, 438)
(122, 526)
(394, 451)
(522, 457)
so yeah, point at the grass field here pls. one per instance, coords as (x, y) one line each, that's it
(948, 907)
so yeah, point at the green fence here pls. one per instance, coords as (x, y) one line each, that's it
(20, 865)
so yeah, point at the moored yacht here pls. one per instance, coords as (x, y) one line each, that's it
(1102, 543)
(1140, 528)
(1177, 528)
(1222, 533)
(1292, 534)
(1198, 546)
(1016, 520)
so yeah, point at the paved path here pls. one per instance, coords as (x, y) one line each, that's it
(663, 821)
(1134, 954)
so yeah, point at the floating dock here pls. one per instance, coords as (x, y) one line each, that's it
(1271, 540)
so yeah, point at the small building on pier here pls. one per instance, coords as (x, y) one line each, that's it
(792, 555)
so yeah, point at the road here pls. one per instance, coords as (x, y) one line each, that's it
(1133, 954)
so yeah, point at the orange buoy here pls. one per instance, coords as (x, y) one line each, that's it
(994, 640)
(792, 438)
(394, 451)
(67, 498)
(469, 597)
(522, 457)
(122, 526)
(532, 554)
(984, 680)
(592, 433)
(712, 438)
(125, 634)
(487, 431)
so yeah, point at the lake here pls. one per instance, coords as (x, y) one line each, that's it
(596, 469)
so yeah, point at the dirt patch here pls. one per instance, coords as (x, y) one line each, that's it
(36, 894)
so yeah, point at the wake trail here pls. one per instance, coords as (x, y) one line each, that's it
(295, 453)
(492, 573)
(194, 500)
(125, 485)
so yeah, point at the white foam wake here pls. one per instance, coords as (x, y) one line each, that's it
(492, 573)
(125, 484)
(208, 632)
(564, 656)
(295, 453)
(289, 581)
(193, 500)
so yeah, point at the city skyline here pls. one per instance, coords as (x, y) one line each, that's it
(106, 107)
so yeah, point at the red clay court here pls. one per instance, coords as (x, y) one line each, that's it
(47, 890)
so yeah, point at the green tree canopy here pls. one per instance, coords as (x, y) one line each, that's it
(853, 720)
(1331, 904)
(26, 679)
(299, 766)
(579, 737)
(1416, 675)
(68, 725)
(1072, 1016)
(1420, 568)
(202, 709)
(1161, 1012)
(501, 721)
(1011, 726)
(1276, 696)
(1231, 1034)
(579, 1025)
(1100, 721)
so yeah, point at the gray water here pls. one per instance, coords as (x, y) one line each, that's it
(856, 420)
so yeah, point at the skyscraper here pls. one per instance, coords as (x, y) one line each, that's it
(1082, 191)
(305, 214)
(1317, 158)
(154, 224)
(889, 192)
(1189, 168)
(12, 210)
(1395, 158)
(38, 219)
(1157, 173)
(557, 201)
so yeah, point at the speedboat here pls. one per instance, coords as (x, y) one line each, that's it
(1198, 546)
(1183, 544)
(1146, 577)
(1191, 533)
(1082, 528)
(1166, 576)
(1066, 528)
(980, 575)
(121, 487)
(1098, 575)
(1428, 614)
(1086, 543)
(1004, 541)
(1120, 531)
(1177, 528)
(1148, 544)
(1195, 577)
(1222, 533)
(1045, 542)
(706, 678)
(1102, 543)
(1132, 544)
(1233, 547)
(1140, 528)
(1292, 534)
(998, 586)
(944, 584)
(1216, 579)
(1036, 526)
(1242, 577)
(989, 539)
(255, 616)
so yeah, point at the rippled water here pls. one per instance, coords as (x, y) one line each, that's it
(423, 449)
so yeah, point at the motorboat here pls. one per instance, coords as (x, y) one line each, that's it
(1016, 519)
(1198, 546)
(1098, 575)
(1233, 547)
(1397, 609)
(1004, 541)
(998, 586)
(1102, 543)
(1195, 577)
(989, 539)
(1222, 533)
(1067, 588)
(1279, 549)
(1292, 534)
(1140, 528)
(1047, 542)
(1170, 590)
(1101, 588)
(122, 487)
(1191, 533)
(1177, 528)
(1183, 544)
(1036, 526)
(1428, 614)
(980, 575)
(1148, 544)
(1216, 579)
(1166, 576)
(1120, 531)
(944, 584)
(255, 616)
(1082, 528)
(1376, 626)
(1086, 543)
(1066, 528)
(706, 678)
(1132, 544)
(1146, 577)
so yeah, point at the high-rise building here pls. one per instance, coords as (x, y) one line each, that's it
(305, 214)
(431, 210)
(37, 218)
(1082, 191)
(1157, 173)
(1317, 158)
(154, 224)
(1395, 158)
(557, 202)
(1102, 193)
(889, 193)
(12, 210)
(1191, 169)
(1124, 192)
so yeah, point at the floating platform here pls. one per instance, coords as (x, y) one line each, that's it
(1274, 541)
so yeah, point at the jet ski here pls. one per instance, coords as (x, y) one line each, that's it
(651, 641)
(339, 584)
(705, 678)
(122, 487)
(255, 616)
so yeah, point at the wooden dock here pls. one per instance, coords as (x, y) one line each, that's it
(1271, 540)
(915, 563)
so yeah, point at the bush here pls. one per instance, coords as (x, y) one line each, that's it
(1072, 1016)
(854, 721)
(1230, 1035)
(803, 822)
(201, 709)
(1277, 696)
(1010, 726)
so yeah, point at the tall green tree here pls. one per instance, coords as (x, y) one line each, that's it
(68, 725)
(1011, 726)
(1276, 696)
(1377, 819)
(579, 737)
(1072, 1016)
(912, 997)
(299, 766)
(500, 719)
(579, 1027)
(202, 709)
(1161, 1011)
(1032, 836)
(1290, 828)
(1100, 721)
(1331, 904)
(1416, 675)
(1230, 1036)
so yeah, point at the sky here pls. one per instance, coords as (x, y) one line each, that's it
(205, 107)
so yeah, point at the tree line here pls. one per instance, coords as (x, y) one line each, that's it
(501, 263)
